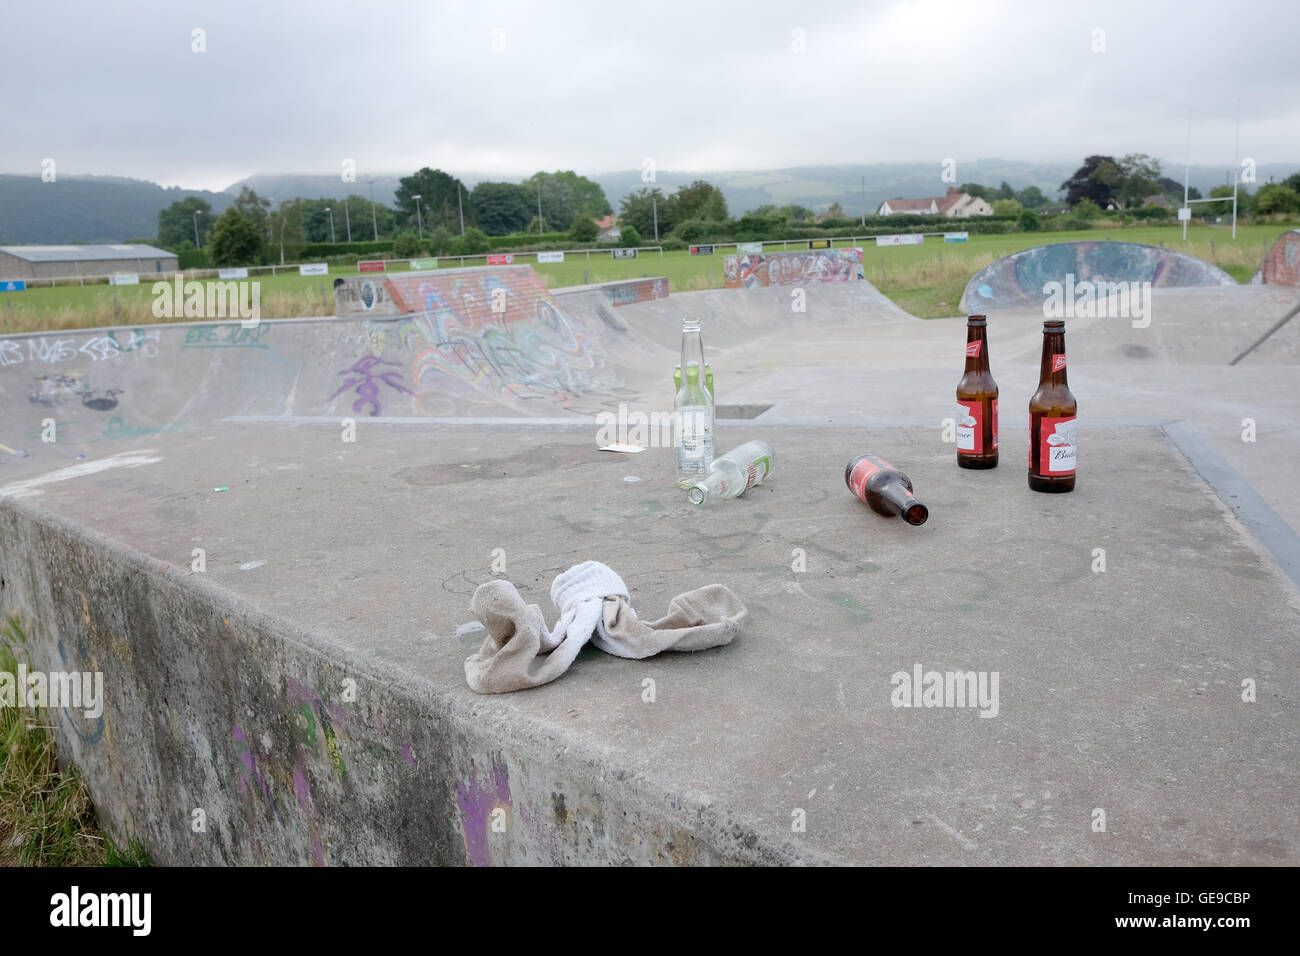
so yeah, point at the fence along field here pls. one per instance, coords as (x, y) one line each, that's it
(920, 278)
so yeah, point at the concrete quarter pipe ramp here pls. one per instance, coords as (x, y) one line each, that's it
(1019, 279)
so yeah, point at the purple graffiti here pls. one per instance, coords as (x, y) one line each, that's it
(366, 382)
(477, 799)
(249, 771)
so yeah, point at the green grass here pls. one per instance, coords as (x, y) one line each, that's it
(927, 279)
(46, 816)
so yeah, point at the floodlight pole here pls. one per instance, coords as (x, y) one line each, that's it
(374, 221)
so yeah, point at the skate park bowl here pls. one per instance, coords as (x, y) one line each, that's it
(265, 536)
(1022, 278)
(1281, 266)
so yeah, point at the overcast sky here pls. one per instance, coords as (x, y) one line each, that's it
(295, 86)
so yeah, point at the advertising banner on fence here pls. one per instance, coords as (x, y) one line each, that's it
(314, 269)
(124, 278)
(372, 265)
(956, 236)
(501, 259)
(624, 253)
(819, 243)
(14, 285)
(424, 264)
(550, 257)
(912, 239)
(701, 250)
(240, 273)
(747, 248)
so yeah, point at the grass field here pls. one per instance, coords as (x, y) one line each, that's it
(46, 817)
(927, 280)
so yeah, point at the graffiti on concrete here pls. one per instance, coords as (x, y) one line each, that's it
(117, 428)
(51, 391)
(226, 336)
(1023, 278)
(1281, 265)
(101, 400)
(98, 348)
(756, 270)
(493, 339)
(366, 380)
(479, 799)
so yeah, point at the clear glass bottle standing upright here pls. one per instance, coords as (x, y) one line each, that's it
(694, 410)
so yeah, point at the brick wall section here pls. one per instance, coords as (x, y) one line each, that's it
(1282, 264)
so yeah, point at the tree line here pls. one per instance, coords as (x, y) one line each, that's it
(435, 211)
(430, 205)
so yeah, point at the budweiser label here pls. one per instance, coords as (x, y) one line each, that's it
(973, 349)
(1057, 446)
(862, 473)
(970, 426)
(1058, 362)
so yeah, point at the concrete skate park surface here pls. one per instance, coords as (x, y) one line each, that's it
(306, 690)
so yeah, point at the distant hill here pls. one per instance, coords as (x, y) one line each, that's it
(817, 187)
(75, 209)
(308, 186)
(113, 208)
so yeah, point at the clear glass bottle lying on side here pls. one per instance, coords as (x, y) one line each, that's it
(734, 473)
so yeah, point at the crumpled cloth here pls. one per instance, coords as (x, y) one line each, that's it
(521, 651)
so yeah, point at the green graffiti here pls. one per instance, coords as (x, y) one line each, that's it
(333, 744)
(119, 429)
(308, 723)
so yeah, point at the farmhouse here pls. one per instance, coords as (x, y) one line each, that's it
(607, 228)
(71, 262)
(954, 205)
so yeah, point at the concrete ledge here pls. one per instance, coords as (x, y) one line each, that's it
(1120, 690)
(217, 705)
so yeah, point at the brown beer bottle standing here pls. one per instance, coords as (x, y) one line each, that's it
(977, 401)
(1052, 410)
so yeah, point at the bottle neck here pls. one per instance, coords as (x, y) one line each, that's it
(1052, 370)
(903, 503)
(692, 355)
(977, 348)
(710, 486)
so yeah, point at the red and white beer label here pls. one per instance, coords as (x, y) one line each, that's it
(862, 473)
(970, 426)
(1057, 446)
(1058, 362)
(973, 349)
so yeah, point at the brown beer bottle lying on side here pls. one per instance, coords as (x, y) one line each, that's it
(977, 402)
(884, 488)
(1052, 410)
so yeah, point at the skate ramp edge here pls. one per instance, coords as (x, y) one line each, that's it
(1023, 278)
